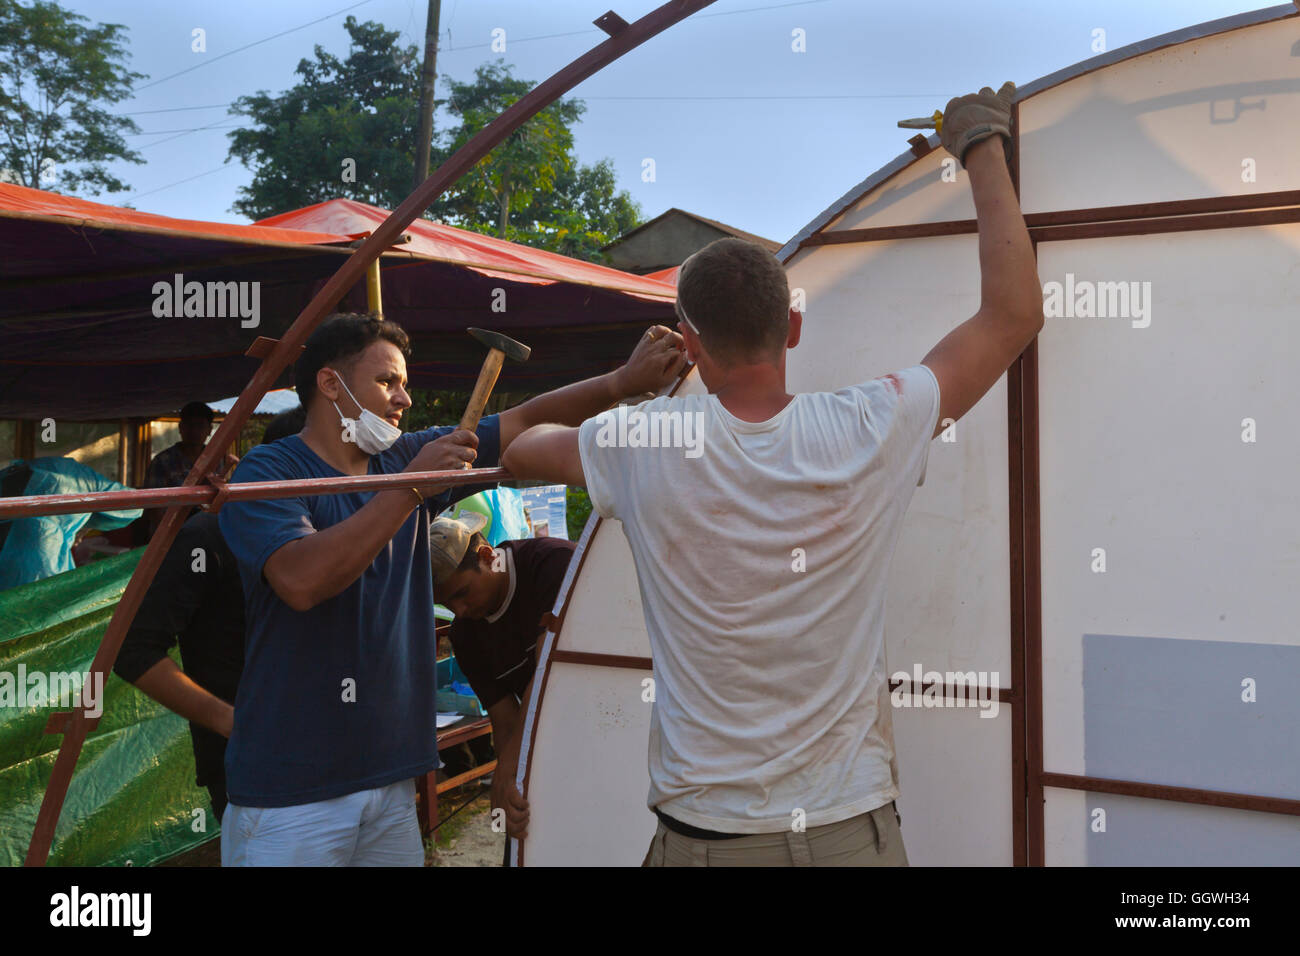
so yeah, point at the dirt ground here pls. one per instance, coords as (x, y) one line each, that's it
(466, 839)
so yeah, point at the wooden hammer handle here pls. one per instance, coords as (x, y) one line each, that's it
(487, 378)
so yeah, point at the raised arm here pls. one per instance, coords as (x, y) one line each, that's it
(971, 358)
(658, 357)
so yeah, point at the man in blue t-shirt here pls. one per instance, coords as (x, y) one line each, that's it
(336, 712)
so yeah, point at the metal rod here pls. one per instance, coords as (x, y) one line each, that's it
(190, 495)
(287, 350)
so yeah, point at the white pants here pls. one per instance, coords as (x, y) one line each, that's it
(367, 828)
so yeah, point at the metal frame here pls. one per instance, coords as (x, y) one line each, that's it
(75, 725)
(1029, 777)
(1025, 696)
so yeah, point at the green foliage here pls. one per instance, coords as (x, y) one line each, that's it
(577, 509)
(528, 162)
(56, 76)
(431, 407)
(364, 108)
(530, 189)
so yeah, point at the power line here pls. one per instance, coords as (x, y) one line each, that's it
(194, 129)
(441, 49)
(175, 109)
(180, 181)
(249, 46)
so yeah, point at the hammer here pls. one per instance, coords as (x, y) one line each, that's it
(500, 347)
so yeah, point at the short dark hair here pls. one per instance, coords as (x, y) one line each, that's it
(341, 338)
(194, 410)
(285, 424)
(470, 561)
(737, 294)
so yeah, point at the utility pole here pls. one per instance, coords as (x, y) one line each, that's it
(427, 76)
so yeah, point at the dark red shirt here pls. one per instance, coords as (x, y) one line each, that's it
(498, 656)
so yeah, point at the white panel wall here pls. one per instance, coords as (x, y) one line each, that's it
(1174, 124)
(1142, 454)
(588, 785)
(915, 194)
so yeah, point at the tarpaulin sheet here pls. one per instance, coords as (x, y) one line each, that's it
(133, 799)
(39, 547)
(93, 323)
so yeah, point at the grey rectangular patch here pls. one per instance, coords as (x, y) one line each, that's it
(1170, 711)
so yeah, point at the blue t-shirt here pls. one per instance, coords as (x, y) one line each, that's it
(341, 697)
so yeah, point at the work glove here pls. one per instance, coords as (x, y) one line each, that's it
(977, 116)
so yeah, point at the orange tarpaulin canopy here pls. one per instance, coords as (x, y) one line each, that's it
(95, 327)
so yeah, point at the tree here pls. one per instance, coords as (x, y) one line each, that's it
(528, 162)
(348, 128)
(583, 213)
(531, 188)
(56, 76)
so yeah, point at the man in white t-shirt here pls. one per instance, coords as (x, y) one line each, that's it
(763, 524)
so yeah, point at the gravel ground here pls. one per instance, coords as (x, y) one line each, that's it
(466, 839)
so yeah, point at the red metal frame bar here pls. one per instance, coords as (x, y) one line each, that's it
(1157, 791)
(189, 495)
(1183, 215)
(77, 725)
(602, 660)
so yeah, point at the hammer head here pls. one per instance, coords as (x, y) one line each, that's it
(516, 351)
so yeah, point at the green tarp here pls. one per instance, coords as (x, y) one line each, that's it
(133, 800)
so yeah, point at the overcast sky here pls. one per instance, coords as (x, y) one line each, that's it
(741, 127)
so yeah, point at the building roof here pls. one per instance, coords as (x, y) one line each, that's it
(767, 244)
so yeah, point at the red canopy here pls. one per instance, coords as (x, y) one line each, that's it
(81, 337)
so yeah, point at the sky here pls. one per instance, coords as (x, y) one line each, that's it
(742, 126)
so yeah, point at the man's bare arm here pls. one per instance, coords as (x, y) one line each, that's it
(175, 690)
(658, 357)
(546, 453)
(504, 715)
(320, 565)
(971, 358)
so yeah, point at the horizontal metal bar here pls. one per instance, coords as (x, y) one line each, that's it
(602, 660)
(1006, 695)
(1175, 216)
(1141, 227)
(1156, 791)
(36, 505)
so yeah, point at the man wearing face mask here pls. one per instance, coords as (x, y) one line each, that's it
(336, 712)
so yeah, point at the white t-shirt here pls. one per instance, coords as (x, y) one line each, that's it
(762, 551)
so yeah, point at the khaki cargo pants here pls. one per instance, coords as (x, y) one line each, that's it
(870, 839)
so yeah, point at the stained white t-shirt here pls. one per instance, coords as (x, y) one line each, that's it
(762, 551)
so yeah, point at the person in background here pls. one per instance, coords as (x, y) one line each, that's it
(197, 597)
(500, 597)
(170, 466)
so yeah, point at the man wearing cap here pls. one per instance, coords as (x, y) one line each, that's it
(500, 597)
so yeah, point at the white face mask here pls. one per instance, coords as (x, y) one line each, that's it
(373, 434)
